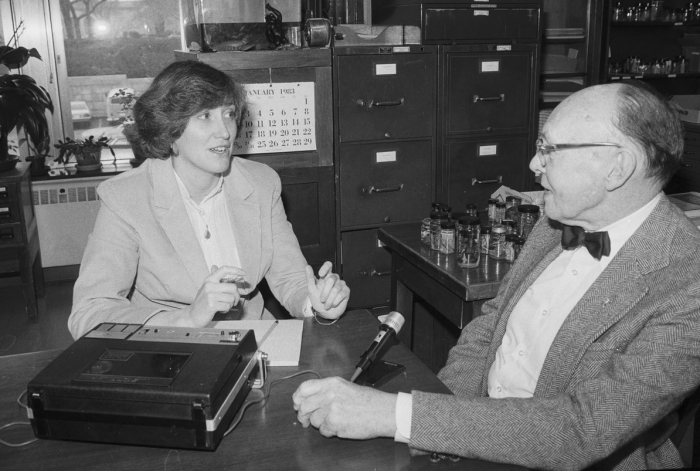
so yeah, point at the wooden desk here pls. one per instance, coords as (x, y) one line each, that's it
(268, 437)
(436, 296)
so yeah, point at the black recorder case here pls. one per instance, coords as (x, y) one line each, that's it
(146, 385)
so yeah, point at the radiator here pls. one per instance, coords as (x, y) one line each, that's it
(65, 213)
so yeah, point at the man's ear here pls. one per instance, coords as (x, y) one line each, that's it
(625, 164)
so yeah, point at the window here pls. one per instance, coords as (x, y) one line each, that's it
(98, 55)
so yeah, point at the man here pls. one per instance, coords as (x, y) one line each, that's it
(583, 357)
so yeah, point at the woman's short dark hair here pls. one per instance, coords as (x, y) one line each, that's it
(645, 116)
(178, 92)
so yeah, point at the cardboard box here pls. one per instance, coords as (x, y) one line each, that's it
(688, 107)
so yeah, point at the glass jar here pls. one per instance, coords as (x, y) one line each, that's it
(510, 248)
(463, 221)
(436, 218)
(497, 243)
(500, 213)
(485, 239)
(469, 251)
(518, 246)
(471, 210)
(618, 12)
(528, 214)
(512, 203)
(447, 237)
(511, 226)
(492, 209)
(425, 231)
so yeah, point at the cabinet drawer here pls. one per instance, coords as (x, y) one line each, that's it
(478, 167)
(385, 182)
(9, 212)
(8, 192)
(445, 24)
(384, 96)
(11, 234)
(487, 92)
(366, 269)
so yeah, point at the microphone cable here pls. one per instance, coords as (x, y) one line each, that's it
(265, 395)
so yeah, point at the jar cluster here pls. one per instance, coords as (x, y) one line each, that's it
(656, 11)
(500, 235)
(663, 66)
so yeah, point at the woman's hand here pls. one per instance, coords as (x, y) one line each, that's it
(328, 294)
(218, 293)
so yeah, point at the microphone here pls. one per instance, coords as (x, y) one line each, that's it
(390, 327)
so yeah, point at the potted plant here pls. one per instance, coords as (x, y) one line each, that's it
(87, 152)
(127, 98)
(23, 103)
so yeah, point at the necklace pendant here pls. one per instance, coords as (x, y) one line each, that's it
(207, 234)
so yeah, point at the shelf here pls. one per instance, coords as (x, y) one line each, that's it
(655, 23)
(652, 77)
(552, 75)
(564, 39)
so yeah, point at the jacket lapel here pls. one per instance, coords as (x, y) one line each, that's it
(246, 221)
(611, 297)
(172, 216)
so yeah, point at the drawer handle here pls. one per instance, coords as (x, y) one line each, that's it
(371, 103)
(374, 272)
(500, 97)
(484, 182)
(687, 165)
(7, 235)
(381, 190)
(688, 152)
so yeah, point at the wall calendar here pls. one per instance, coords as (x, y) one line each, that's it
(279, 117)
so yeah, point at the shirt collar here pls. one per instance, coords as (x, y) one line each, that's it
(186, 194)
(620, 231)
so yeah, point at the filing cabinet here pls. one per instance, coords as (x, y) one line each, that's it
(487, 128)
(20, 258)
(385, 125)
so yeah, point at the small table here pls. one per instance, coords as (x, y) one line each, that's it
(435, 295)
(268, 436)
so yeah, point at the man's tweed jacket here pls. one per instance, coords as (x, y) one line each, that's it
(143, 255)
(623, 361)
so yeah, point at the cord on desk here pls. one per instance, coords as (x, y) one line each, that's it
(265, 395)
(3, 442)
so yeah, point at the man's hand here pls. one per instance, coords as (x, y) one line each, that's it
(328, 294)
(337, 407)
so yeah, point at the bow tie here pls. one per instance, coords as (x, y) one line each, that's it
(597, 243)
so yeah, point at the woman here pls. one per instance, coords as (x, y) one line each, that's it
(193, 230)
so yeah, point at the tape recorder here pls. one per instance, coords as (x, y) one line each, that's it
(146, 385)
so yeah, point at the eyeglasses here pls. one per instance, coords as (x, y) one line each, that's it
(543, 150)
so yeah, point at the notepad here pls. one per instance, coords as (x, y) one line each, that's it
(283, 345)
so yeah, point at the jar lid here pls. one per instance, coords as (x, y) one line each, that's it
(511, 237)
(528, 208)
(457, 216)
(439, 214)
(508, 222)
(499, 229)
(469, 221)
(493, 201)
(486, 229)
(447, 224)
(501, 204)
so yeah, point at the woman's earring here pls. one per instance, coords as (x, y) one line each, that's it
(173, 150)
